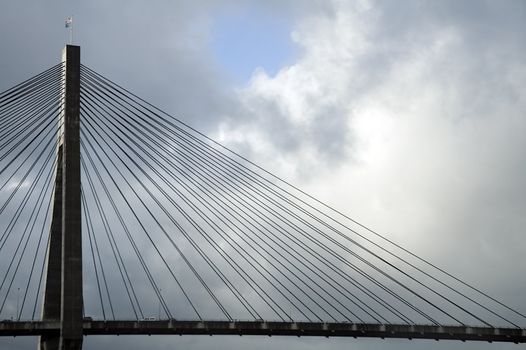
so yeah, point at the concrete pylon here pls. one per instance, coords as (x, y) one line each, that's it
(63, 299)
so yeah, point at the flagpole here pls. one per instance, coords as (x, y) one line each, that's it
(69, 25)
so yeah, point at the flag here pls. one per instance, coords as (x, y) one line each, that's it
(69, 22)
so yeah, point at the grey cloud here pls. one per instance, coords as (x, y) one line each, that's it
(160, 52)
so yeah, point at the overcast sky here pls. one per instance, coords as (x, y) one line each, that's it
(408, 115)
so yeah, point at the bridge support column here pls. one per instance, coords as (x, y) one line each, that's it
(52, 292)
(65, 288)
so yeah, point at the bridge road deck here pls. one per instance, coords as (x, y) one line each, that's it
(263, 328)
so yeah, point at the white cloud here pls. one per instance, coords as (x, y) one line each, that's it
(417, 132)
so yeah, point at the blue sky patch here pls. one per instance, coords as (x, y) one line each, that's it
(249, 38)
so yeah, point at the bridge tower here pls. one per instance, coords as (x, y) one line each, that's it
(63, 300)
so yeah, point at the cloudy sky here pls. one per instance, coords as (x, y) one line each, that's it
(410, 116)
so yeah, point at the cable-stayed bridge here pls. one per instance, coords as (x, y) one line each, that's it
(118, 218)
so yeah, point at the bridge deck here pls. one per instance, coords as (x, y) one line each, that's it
(515, 335)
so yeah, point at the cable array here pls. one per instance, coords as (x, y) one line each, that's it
(29, 124)
(195, 230)
(175, 225)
